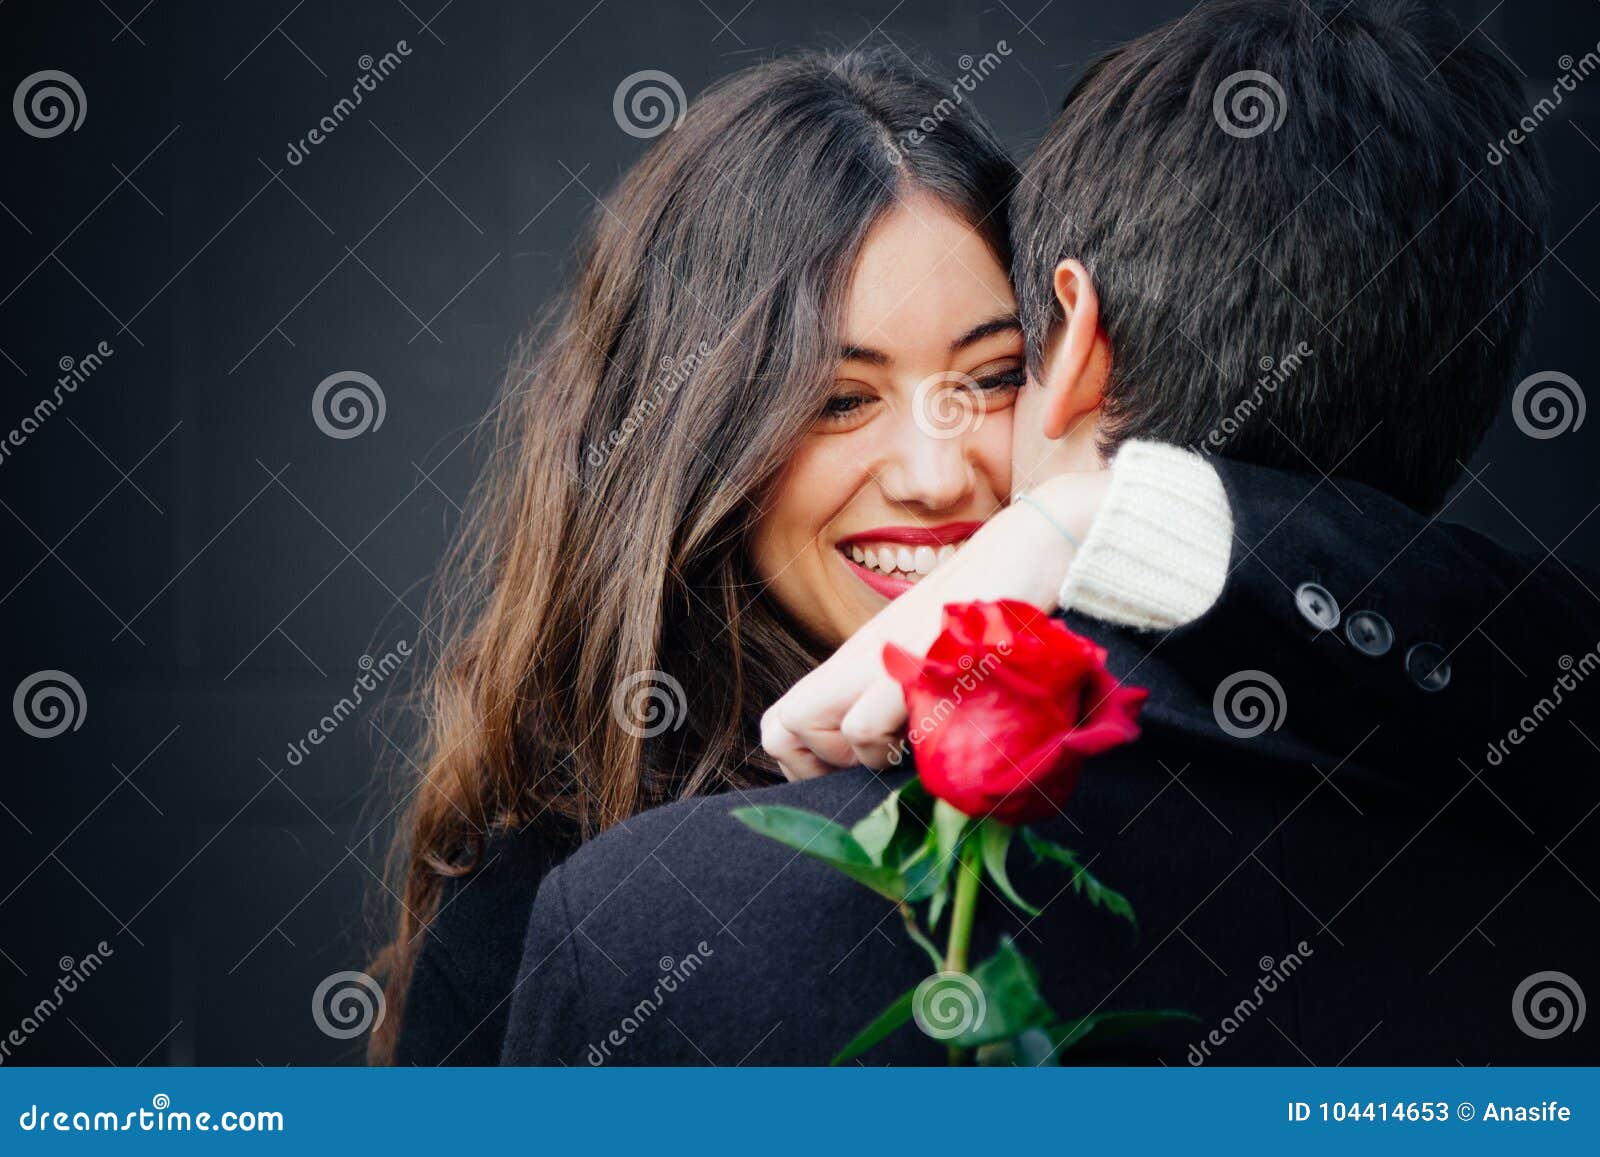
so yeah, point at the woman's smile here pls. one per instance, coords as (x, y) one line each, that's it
(890, 560)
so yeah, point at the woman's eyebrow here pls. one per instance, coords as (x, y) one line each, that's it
(858, 353)
(978, 332)
(1006, 324)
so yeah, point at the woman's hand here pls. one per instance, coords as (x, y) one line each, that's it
(849, 711)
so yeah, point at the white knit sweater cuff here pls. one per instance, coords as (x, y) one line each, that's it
(1156, 555)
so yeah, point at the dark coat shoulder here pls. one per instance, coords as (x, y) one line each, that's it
(460, 992)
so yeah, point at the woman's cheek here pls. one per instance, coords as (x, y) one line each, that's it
(992, 450)
(814, 489)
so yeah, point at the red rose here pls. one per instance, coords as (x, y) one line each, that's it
(1006, 707)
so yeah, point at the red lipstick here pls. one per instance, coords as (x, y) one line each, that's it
(893, 586)
(889, 588)
(950, 534)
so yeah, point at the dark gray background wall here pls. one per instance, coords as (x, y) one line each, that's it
(184, 541)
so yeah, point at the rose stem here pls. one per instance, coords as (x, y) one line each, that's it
(963, 907)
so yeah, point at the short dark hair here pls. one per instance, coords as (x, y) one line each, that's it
(1260, 174)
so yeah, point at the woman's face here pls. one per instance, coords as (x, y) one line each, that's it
(913, 450)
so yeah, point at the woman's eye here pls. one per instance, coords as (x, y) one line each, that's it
(844, 408)
(1011, 379)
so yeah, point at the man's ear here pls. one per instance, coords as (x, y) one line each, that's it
(1076, 364)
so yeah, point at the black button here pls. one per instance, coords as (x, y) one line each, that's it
(1317, 605)
(1428, 667)
(1369, 632)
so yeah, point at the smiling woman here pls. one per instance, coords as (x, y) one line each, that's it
(910, 454)
(778, 310)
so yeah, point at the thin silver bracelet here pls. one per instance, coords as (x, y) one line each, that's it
(1048, 517)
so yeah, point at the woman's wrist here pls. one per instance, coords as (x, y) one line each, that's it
(1020, 553)
(1066, 504)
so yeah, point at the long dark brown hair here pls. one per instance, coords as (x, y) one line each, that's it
(607, 645)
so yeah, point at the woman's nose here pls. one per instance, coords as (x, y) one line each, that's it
(931, 463)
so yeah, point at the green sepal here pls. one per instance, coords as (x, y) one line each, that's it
(995, 838)
(1084, 882)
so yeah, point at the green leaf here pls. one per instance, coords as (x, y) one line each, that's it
(916, 845)
(1084, 882)
(1105, 1025)
(996, 839)
(941, 897)
(948, 824)
(924, 875)
(1012, 1002)
(917, 937)
(821, 838)
(875, 830)
(888, 1021)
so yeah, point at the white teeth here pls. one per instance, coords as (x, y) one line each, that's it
(902, 562)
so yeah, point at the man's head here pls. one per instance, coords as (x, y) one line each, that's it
(1269, 230)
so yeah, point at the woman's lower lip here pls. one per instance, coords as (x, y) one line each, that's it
(889, 588)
